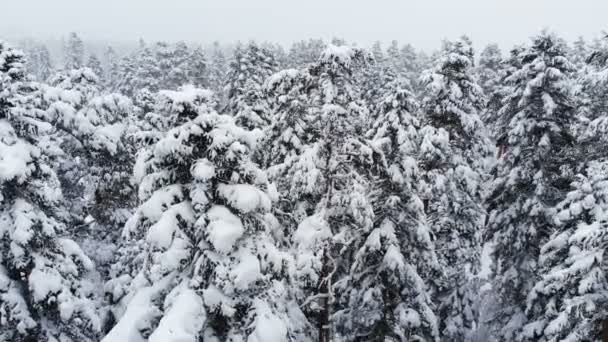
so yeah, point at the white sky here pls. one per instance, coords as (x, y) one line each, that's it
(420, 22)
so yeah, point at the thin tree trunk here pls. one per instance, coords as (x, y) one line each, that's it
(323, 324)
(605, 330)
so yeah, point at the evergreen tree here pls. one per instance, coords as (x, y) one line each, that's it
(388, 296)
(177, 60)
(320, 160)
(127, 76)
(197, 68)
(43, 288)
(73, 54)
(568, 302)
(211, 268)
(111, 75)
(394, 57)
(412, 66)
(489, 67)
(454, 146)
(578, 53)
(532, 176)
(39, 62)
(593, 84)
(94, 64)
(250, 67)
(217, 70)
(147, 73)
(490, 73)
(376, 77)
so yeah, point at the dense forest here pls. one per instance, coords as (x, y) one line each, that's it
(325, 192)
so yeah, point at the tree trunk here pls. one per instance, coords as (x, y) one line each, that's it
(605, 330)
(323, 323)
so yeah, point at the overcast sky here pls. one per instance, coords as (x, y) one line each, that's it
(420, 22)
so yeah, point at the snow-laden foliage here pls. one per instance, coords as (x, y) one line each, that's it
(249, 68)
(532, 175)
(566, 303)
(392, 268)
(320, 193)
(44, 292)
(209, 262)
(454, 149)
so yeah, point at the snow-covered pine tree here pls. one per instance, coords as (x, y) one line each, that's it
(412, 67)
(578, 52)
(330, 176)
(592, 82)
(73, 53)
(492, 116)
(488, 68)
(454, 147)
(490, 74)
(210, 266)
(112, 68)
(375, 78)
(321, 159)
(388, 296)
(94, 64)
(127, 76)
(147, 73)
(39, 62)
(532, 176)
(568, 302)
(290, 95)
(303, 53)
(197, 68)
(394, 58)
(217, 70)
(44, 293)
(175, 66)
(250, 67)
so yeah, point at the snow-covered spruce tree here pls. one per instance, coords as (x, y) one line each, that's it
(126, 76)
(289, 93)
(303, 53)
(44, 295)
(388, 296)
(167, 111)
(328, 181)
(197, 68)
(94, 64)
(568, 302)
(492, 116)
(593, 85)
(412, 67)
(96, 159)
(62, 100)
(217, 70)
(489, 68)
(112, 68)
(393, 56)
(39, 62)
(147, 73)
(172, 62)
(73, 52)
(532, 176)
(375, 79)
(250, 67)
(323, 164)
(210, 266)
(578, 52)
(454, 147)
